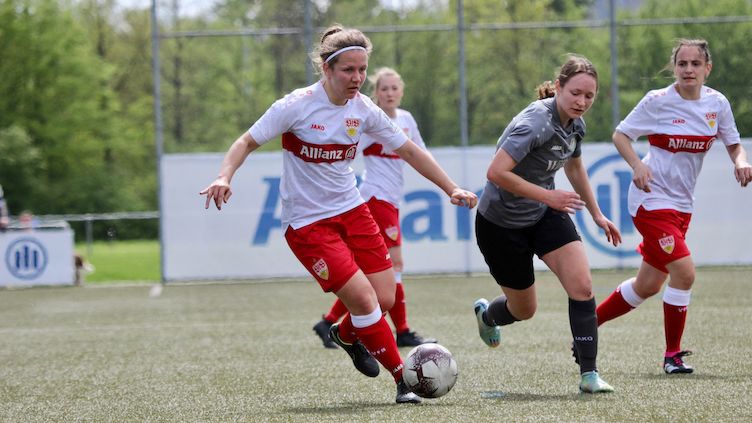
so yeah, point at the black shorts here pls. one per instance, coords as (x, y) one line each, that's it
(509, 252)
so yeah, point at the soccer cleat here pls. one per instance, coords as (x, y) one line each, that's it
(412, 339)
(322, 330)
(361, 358)
(404, 395)
(675, 364)
(592, 383)
(491, 335)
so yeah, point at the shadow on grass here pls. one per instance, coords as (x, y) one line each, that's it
(352, 408)
(527, 397)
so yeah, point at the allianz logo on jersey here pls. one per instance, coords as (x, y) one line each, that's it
(610, 178)
(26, 258)
(422, 216)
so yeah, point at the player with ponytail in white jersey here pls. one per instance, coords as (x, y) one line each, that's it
(382, 188)
(326, 222)
(681, 122)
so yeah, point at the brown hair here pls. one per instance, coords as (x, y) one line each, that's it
(337, 37)
(689, 42)
(378, 76)
(574, 65)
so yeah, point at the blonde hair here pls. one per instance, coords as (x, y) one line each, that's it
(688, 42)
(378, 77)
(574, 65)
(335, 38)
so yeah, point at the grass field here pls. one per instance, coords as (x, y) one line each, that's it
(122, 261)
(246, 352)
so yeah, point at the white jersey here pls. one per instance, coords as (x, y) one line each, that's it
(383, 177)
(319, 141)
(680, 133)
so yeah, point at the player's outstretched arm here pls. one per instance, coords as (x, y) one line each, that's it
(219, 191)
(425, 164)
(742, 168)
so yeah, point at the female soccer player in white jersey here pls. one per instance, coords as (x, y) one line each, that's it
(680, 122)
(521, 213)
(327, 224)
(382, 189)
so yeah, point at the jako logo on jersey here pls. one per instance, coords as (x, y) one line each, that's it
(318, 127)
(351, 126)
(610, 177)
(678, 121)
(392, 232)
(26, 258)
(667, 244)
(321, 269)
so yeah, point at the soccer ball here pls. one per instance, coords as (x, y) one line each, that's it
(430, 370)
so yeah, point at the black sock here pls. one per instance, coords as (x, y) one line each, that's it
(498, 313)
(584, 324)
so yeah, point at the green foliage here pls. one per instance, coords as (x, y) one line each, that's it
(76, 106)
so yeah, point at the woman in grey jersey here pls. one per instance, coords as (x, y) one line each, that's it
(521, 213)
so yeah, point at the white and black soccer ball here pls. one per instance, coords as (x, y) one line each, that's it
(430, 370)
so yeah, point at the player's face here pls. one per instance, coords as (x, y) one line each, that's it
(576, 96)
(345, 77)
(691, 70)
(389, 93)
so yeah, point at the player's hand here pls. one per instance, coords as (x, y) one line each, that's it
(612, 232)
(465, 198)
(566, 201)
(642, 177)
(219, 191)
(743, 174)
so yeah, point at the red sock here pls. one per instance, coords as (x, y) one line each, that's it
(379, 341)
(347, 330)
(398, 313)
(674, 318)
(613, 307)
(336, 312)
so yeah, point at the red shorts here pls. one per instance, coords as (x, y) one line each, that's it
(333, 249)
(663, 236)
(387, 217)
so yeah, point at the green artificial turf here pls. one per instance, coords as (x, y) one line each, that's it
(246, 352)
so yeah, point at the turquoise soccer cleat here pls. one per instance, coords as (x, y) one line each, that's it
(592, 383)
(491, 335)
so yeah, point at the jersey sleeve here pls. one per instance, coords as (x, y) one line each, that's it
(415, 132)
(380, 126)
(527, 132)
(727, 130)
(275, 121)
(641, 120)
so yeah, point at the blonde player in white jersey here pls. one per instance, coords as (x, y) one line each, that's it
(681, 122)
(326, 222)
(382, 188)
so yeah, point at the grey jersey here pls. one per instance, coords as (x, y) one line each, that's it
(536, 140)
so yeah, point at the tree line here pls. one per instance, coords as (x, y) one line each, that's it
(76, 103)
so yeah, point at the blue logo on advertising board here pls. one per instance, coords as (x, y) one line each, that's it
(26, 258)
(425, 221)
(610, 182)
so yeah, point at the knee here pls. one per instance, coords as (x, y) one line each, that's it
(386, 302)
(683, 279)
(525, 312)
(397, 265)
